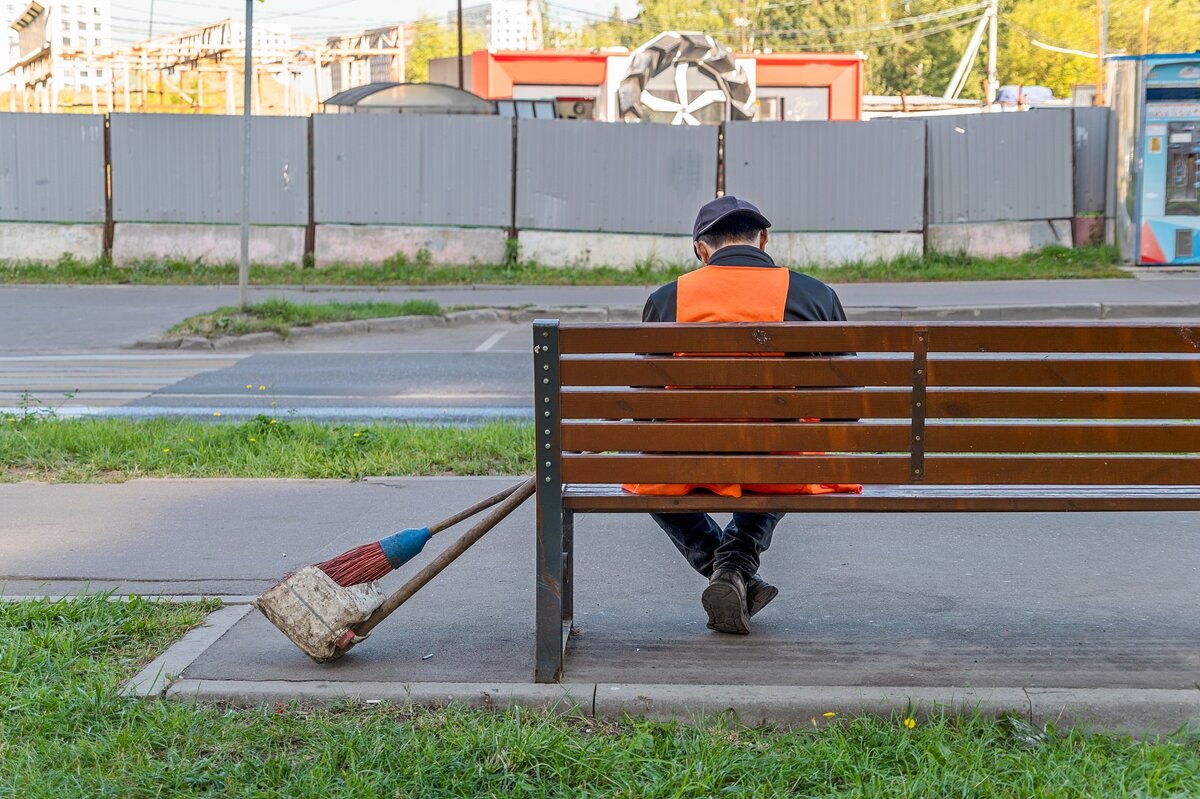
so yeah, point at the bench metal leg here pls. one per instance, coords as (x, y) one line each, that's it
(568, 591)
(548, 649)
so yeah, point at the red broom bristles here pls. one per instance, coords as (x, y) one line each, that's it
(359, 565)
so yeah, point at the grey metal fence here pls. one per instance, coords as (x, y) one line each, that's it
(1091, 159)
(999, 167)
(613, 178)
(412, 170)
(51, 168)
(839, 176)
(570, 176)
(176, 168)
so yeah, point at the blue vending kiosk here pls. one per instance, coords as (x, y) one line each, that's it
(1157, 103)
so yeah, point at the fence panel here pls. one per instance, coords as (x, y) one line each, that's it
(1000, 167)
(1091, 159)
(188, 168)
(413, 170)
(51, 168)
(830, 176)
(613, 178)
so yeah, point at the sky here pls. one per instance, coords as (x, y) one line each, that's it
(314, 19)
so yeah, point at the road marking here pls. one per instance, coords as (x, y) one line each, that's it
(492, 341)
(99, 380)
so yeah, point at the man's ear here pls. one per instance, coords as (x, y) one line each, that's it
(762, 240)
(703, 251)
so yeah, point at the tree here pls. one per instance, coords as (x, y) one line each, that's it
(432, 39)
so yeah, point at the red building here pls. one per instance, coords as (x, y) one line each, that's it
(784, 86)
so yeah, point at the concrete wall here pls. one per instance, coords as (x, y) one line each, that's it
(815, 250)
(138, 241)
(620, 250)
(990, 239)
(43, 241)
(358, 244)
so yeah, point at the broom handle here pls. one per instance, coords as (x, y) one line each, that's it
(471, 511)
(517, 495)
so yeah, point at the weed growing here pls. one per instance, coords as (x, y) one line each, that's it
(280, 315)
(402, 270)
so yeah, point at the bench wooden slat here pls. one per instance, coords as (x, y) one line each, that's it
(835, 337)
(733, 403)
(938, 469)
(1062, 372)
(716, 371)
(1068, 404)
(652, 371)
(1047, 437)
(877, 404)
(898, 499)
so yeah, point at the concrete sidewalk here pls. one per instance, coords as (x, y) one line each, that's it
(1082, 616)
(109, 317)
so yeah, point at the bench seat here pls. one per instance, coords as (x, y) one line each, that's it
(936, 417)
(606, 498)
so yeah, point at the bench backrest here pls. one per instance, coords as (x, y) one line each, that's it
(941, 403)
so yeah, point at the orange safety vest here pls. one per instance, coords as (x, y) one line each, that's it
(736, 294)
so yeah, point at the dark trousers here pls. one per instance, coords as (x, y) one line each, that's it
(708, 548)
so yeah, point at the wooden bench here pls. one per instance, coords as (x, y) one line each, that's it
(952, 417)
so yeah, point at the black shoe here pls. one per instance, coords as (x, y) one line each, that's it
(759, 594)
(725, 602)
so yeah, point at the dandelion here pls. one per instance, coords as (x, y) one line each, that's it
(216, 413)
(262, 388)
(273, 421)
(356, 435)
(251, 439)
(829, 715)
(909, 723)
(248, 385)
(190, 440)
(166, 449)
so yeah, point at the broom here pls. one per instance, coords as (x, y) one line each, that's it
(375, 560)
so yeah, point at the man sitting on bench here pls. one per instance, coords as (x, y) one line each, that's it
(739, 282)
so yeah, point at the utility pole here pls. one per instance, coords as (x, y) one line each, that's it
(1101, 48)
(461, 81)
(150, 32)
(993, 82)
(244, 266)
(1146, 27)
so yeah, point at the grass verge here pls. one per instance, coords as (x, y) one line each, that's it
(280, 315)
(1049, 263)
(65, 732)
(88, 450)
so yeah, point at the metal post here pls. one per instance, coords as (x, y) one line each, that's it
(549, 634)
(244, 266)
(993, 82)
(461, 82)
(1146, 27)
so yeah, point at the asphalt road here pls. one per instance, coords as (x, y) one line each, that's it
(67, 347)
(470, 373)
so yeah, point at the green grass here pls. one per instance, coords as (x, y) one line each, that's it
(64, 732)
(1049, 263)
(33, 446)
(280, 315)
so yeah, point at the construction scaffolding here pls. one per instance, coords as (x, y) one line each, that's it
(199, 71)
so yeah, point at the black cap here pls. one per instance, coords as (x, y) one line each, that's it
(722, 208)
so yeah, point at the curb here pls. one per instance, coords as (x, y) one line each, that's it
(159, 673)
(1127, 711)
(628, 313)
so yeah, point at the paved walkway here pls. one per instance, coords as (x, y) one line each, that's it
(110, 317)
(1101, 606)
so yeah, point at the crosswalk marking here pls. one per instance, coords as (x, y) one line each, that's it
(97, 380)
